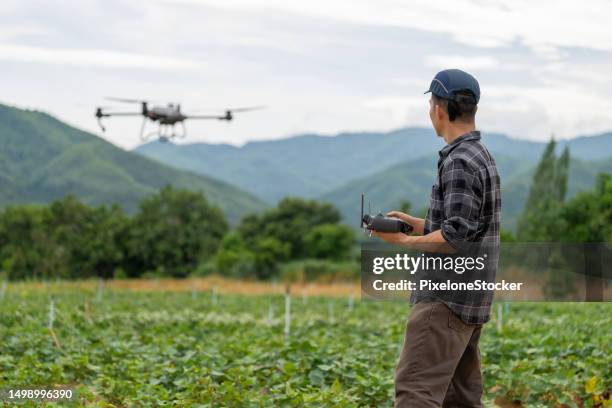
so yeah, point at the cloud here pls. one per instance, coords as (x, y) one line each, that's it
(461, 61)
(93, 57)
(322, 66)
(538, 24)
(399, 111)
(537, 112)
(8, 34)
(411, 82)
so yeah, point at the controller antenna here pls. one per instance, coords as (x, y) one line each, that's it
(361, 218)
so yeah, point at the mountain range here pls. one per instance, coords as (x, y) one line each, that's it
(43, 159)
(389, 167)
(388, 188)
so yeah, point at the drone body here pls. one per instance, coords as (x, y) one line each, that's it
(166, 116)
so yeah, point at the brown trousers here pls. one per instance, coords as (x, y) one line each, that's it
(439, 365)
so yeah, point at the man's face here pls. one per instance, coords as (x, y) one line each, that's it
(436, 114)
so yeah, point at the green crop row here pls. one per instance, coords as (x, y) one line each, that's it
(119, 348)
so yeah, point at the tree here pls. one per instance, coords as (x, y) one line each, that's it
(269, 252)
(288, 223)
(173, 231)
(560, 279)
(233, 258)
(562, 174)
(329, 241)
(26, 249)
(67, 239)
(90, 238)
(506, 236)
(540, 218)
(405, 207)
(587, 217)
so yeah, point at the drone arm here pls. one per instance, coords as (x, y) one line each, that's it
(229, 113)
(100, 115)
(218, 117)
(109, 114)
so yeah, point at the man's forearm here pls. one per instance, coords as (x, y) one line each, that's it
(418, 224)
(432, 242)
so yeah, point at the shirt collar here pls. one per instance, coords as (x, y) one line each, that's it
(473, 135)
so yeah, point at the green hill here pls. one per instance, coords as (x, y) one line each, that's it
(306, 165)
(312, 165)
(412, 180)
(43, 159)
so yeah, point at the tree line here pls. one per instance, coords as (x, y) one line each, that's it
(550, 217)
(174, 233)
(565, 225)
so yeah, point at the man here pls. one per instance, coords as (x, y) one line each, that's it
(440, 361)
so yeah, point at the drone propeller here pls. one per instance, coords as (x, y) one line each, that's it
(125, 100)
(229, 113)
(242, 109)
(246, 109)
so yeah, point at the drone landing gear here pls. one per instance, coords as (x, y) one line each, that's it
(142, 128)
(101, 125)
(164, 132)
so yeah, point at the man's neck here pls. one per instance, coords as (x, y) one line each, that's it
(455, 131)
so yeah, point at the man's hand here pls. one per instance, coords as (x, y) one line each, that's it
(418, 224)
(392, 237)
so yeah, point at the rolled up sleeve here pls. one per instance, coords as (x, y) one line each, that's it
(462, 189)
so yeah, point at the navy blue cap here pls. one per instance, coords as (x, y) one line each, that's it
(448, 82)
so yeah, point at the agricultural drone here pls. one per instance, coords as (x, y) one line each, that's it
(167, 116)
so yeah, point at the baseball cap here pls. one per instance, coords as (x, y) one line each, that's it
(450, 81)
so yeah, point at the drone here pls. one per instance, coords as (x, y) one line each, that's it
(167, 117)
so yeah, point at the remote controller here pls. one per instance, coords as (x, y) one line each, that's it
(383, 223)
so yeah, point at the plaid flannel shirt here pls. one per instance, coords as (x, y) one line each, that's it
(465, 205)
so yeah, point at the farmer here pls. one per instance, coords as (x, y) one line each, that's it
(439, 365)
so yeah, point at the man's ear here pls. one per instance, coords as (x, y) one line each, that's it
(440, 113)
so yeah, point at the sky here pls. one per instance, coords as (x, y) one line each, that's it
(323, 66)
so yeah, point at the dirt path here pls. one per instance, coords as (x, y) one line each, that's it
(222, 285)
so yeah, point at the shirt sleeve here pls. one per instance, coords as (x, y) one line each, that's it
(462, 190)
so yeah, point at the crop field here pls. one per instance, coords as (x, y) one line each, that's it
(119, 347)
